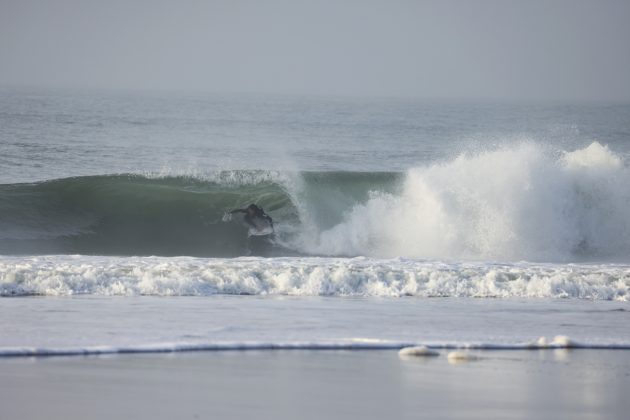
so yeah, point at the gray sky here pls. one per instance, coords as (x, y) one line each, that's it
(495, 49)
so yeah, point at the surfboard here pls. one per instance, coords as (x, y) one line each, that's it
(260, 231)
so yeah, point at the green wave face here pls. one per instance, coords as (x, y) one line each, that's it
(174, 215)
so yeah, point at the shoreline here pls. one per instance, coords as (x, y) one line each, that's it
(560, 343)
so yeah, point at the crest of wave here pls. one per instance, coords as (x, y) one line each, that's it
(521, 202)
(232, 178)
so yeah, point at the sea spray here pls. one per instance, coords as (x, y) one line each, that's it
(519, 202)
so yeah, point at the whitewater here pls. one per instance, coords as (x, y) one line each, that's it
(397, 223)
(523, 202)
(367, 277)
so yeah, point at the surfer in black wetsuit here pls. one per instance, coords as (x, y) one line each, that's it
(253, 216)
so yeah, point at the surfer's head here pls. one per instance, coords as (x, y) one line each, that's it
(253, 209)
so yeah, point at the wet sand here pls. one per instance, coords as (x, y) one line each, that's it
(517, 384)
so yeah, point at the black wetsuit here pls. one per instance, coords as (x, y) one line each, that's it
(253, 213)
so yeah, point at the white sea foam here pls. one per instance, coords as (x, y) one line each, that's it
(71, 275)
(461, 357)
(520, 202)
(417, 351)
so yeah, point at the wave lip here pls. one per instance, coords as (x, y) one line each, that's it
(300, 276)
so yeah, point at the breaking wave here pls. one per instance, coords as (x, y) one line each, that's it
(522, 202)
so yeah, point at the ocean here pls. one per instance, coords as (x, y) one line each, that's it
(499, 225)
(430, 258)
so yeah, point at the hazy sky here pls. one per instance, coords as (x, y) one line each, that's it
(498, 49)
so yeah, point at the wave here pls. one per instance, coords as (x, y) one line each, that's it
(519, 202)
(345, 345)
(170, 215)
(524, 202)
(186, 276)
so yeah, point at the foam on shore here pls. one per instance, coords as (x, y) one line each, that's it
(459, 351)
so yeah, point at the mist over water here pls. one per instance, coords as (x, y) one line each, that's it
(535, 50)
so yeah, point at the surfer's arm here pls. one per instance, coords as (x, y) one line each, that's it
(238, 211)
(268, 218)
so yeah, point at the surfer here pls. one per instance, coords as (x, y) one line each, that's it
(255, 217)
